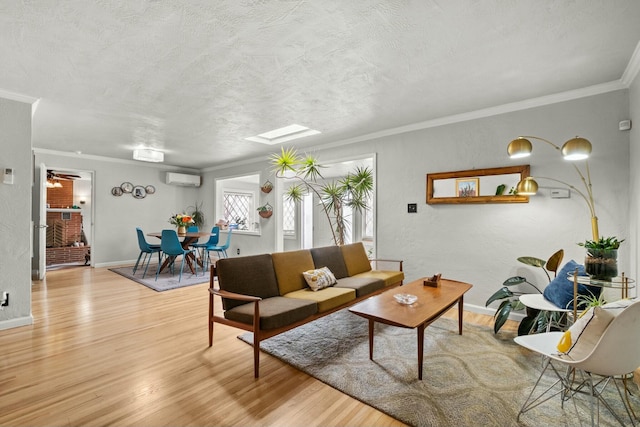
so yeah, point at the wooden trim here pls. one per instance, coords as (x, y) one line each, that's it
(523, 170)
(259, 334)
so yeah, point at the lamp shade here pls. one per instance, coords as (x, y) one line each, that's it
(519, 147)
(148, 155)
(527, 187)
(576, 149)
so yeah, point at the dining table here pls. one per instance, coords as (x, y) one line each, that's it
(188, 239)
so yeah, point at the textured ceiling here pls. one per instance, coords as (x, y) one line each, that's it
(194, 78)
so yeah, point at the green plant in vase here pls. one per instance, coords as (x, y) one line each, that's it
(601, 261)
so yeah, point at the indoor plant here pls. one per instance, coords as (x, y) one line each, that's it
(353, 190)
(182, 221)
(510, 300)
(265, 211)
(601, 261)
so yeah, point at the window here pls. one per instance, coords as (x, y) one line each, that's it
(238, 208)
(367, 221)
(288, 217)
(237, 200)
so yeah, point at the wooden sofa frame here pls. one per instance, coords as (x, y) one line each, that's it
(260, 334)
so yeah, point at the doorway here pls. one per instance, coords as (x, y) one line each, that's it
(69, 218)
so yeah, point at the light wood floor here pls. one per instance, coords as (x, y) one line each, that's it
(106, 351)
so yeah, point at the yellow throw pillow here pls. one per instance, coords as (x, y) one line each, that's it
(578, 342)
(320, 278)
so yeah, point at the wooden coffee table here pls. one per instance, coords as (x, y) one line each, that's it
(431, 304)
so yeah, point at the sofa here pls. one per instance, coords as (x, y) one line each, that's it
(268, 294)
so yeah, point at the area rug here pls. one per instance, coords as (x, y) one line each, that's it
(474, 379)
(166, 280)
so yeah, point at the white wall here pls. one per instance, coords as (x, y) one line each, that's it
(117, 217)
(15, 213)
(634, 188)
(480, 243)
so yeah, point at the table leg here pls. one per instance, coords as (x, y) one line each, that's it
(371, 323)
(420, 348)
(460, 311)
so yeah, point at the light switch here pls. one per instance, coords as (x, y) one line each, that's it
(412, 208)
(8, 176)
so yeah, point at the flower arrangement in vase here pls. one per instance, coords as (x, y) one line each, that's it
(182, 221)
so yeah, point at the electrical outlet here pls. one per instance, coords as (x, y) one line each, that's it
(238, 251)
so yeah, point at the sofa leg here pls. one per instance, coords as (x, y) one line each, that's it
(256, 356)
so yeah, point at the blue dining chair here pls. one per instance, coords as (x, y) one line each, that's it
(211, 243)
(220, 249)
(171, 249)
(147, 250)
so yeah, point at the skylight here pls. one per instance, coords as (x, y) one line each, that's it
(283, 134)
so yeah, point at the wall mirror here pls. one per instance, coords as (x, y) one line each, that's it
(491, 185)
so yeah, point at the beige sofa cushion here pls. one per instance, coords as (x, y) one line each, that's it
(327, 298)
(355, 258)
(389, 277)
(289, 266)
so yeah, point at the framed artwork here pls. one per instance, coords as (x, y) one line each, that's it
(467, 187)
(139, 192)
(116, 191)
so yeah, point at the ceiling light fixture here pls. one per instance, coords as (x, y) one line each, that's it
(148, 155)
(283, 134)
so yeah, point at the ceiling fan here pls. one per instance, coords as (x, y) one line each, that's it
(52, 175)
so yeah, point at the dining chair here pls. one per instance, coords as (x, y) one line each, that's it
(147, 250)
(220, 249)
(171, 249)
(600, 349)
(211, 243)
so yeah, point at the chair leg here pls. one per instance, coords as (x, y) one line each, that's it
(148, 259)
(135, 267)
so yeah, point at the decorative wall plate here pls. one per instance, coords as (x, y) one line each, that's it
(126, 187)
(150, 189)
(139, 192)
(116, 191)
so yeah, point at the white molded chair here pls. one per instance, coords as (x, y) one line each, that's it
(617, 353)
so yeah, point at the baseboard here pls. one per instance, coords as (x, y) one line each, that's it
(115, 263)
(17, 322)
(491, 311)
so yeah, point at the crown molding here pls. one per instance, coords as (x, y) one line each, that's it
(14, 96)
(46, 151)
(632, 69)
(456, 118)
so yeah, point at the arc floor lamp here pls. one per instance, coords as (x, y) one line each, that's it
(574, 149)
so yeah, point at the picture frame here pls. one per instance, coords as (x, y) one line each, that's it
(139, 192)
(467, 187)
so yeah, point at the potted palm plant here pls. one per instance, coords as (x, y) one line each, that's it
(353, 190)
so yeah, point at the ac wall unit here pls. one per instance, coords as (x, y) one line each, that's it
(183, 179)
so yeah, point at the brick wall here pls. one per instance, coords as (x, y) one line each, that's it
(61, 197)
(63, 232)
(66, 255)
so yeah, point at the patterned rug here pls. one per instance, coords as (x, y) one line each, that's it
(476, 379)
(166, 280)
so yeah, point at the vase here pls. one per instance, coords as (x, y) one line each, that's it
(182, 229)
(601, 264)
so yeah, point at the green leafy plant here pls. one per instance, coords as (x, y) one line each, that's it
(608, 243)
(510, 300)
(353, 190)
(196, 214)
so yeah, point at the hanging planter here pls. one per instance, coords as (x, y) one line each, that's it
(267, 187)
(265, 211)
